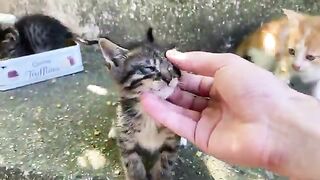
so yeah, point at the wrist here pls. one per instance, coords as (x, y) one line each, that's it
(295, 138)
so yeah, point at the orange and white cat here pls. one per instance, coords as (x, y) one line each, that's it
(288, 47)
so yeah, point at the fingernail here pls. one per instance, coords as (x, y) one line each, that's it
(175, 54)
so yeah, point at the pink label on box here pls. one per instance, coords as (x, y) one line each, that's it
(12, 74)
(71, 60)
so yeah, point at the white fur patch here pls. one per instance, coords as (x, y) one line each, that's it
(261, 58)
(163, 90)
(269, 43)
(309, 75)
(149, 137)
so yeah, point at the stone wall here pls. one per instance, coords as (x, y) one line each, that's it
(212, 25)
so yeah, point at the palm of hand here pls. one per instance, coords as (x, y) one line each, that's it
(224, 110)
(234, 121)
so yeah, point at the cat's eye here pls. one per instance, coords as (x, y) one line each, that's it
(148, 69)
(145, 70)
(310, 57)
(292, 52)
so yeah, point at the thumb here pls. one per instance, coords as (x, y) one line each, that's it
(170, 117)
(202, 63)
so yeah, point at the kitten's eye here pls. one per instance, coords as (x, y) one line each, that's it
(310, 57)
(292, 52)
(148, 69)
(145, 70)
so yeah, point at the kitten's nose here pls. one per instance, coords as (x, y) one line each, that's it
(296, 67)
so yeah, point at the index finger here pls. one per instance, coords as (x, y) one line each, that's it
(202, 63)
(196, 84)
(180, 124)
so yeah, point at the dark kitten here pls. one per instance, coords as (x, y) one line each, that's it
(8, 38)
(148, 151)
(36, 33)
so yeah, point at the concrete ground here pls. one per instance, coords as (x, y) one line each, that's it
(58, 130)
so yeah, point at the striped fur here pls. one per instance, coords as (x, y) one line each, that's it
(36, 33)
(148, 151)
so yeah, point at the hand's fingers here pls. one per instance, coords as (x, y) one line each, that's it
(196, 84)
(202, 63)
(190, 113)
(188, 100)
(158, 109)
(206, 126)
(194, 115)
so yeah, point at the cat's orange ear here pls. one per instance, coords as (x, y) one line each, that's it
(294, 17)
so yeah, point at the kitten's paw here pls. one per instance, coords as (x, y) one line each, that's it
(112, 133)
(134, 167)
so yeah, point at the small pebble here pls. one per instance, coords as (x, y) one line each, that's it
(199, 154)
(96, 132)
(97, 90)
(182, 160)
(117, 172)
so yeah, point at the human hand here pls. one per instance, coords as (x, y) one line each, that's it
(229, 108)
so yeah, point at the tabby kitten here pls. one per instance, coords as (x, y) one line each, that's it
(289, 47)
(148, 151)
(35, 34)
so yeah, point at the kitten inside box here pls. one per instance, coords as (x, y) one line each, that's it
(37, 33)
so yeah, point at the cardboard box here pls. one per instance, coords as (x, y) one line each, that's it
(35, 68)
(7, 19)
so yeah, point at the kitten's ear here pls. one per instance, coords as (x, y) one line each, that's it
(111, 52)
(294, 17)
(150, 37)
